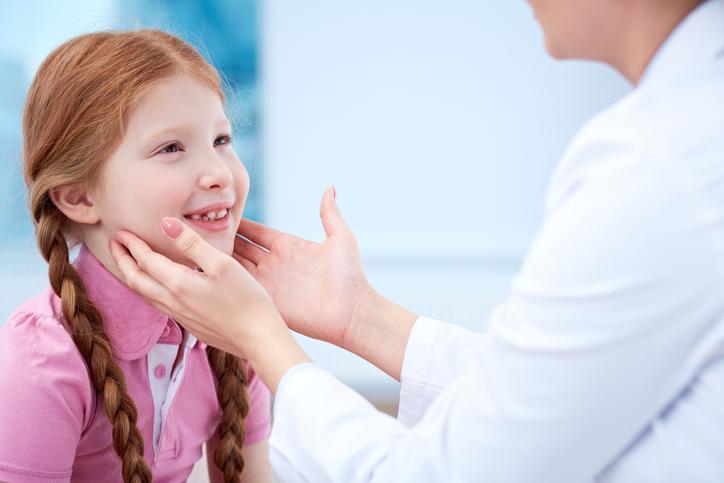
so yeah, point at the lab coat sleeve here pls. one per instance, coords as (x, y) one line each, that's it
(436, 353)
(616, 310)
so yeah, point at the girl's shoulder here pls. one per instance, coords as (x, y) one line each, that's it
(46, 397)
(45, 303)
(37, 320)
(37, 349)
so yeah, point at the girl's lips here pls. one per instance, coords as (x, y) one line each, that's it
(220, 224)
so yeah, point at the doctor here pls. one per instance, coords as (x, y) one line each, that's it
(606, 360)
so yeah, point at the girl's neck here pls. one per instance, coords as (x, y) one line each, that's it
(99, 248)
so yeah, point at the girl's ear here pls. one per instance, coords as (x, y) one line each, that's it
(75, 204)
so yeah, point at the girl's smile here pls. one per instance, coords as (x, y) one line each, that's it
(214, 217)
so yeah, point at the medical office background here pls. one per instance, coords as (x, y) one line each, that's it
(439, 123)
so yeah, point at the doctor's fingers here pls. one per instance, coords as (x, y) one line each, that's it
(163, 270)
(249, 250)
(152, 292)
(248, 265)
(259, 234)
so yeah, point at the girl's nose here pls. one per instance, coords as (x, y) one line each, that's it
(215, 173)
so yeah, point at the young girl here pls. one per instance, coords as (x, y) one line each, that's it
(121, 130)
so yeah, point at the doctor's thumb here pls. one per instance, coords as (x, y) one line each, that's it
(192, 245)
(332, 219)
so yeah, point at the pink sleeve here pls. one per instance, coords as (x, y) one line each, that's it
(258, 422)
(45, 399)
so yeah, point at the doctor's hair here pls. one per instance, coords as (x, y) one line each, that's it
(75, 116)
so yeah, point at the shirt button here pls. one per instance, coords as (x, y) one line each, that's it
(160, 371)
(166, 331)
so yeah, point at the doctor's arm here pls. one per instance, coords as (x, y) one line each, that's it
(548, 394)
(585, 352)
(320, 289)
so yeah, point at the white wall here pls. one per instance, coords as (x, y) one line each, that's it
(438, 122)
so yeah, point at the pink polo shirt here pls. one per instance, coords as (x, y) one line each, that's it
(53, 426)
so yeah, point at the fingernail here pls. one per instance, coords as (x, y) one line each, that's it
(172, 227)
(334, 192)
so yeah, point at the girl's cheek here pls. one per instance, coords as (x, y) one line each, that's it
(242, 177)
(241, 188)
(154, 200)
(239, 174)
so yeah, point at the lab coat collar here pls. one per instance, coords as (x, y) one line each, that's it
(698, 39)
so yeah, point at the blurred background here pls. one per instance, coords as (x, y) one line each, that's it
(439, 123)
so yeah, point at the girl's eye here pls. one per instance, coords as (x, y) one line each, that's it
(171, 148)
(223, 139)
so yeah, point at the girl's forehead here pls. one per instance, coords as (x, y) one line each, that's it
(178, 101)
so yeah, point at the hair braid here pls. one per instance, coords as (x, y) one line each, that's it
(232, 381)
(86, 328)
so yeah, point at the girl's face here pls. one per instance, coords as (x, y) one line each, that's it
(175, 159)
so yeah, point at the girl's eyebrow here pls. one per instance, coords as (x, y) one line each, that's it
(169, 132)
(180, 131)
(223, 123)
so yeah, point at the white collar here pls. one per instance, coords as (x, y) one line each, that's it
(699, 38)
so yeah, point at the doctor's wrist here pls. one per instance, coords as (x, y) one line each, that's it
(273, 355)
(378, 332)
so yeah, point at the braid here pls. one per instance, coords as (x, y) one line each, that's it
(86, 328)
(232, 381)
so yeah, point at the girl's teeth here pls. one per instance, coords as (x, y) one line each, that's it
(211, 215)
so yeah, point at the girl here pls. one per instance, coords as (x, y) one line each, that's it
(120, 131)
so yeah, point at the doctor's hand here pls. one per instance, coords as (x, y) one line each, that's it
(317, 287)
(321, 289)
(222, 305)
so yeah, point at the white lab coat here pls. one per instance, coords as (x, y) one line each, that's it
(606, 360)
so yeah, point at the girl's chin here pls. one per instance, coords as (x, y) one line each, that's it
(223, 244)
